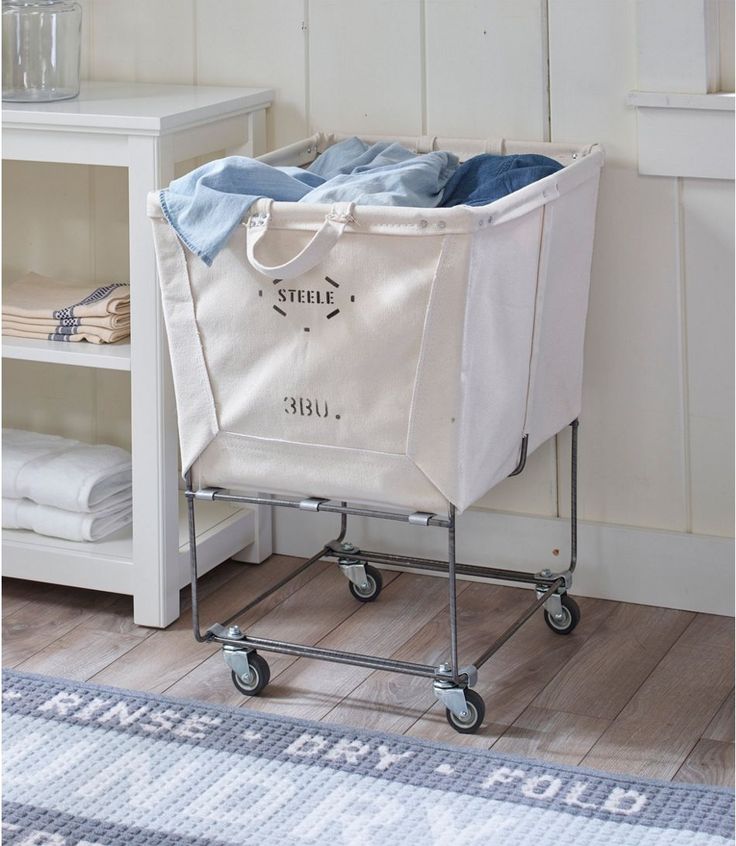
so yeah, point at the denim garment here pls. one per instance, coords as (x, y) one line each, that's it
(486, 178)
(416, 181)
(206, 205)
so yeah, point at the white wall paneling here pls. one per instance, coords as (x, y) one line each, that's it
(493, 54)
(726, 44)
(534, 491)
(707, 209)
(263, 42)
(34, 194)
(365, 65)
(679, 45)
(632, 463)
(655, 428)
(632, 433)
(140, 41)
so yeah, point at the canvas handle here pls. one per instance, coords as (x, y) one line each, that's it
(316, 251)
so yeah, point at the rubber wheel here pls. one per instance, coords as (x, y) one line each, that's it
(475, 715)
(569, 619)
(259, 676)
(374, 583)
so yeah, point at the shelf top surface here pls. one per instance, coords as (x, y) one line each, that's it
(137, 107)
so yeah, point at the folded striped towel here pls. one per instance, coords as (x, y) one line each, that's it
(35, 296)
(69, 525)
(64, 473)
(93, 334)
(42, 324)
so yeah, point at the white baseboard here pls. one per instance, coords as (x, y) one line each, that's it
(646, 566)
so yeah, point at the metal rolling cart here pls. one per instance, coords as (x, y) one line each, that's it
(451, 348)
(452, 682)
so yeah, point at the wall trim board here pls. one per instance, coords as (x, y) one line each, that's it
(644, 566)
(685, 134)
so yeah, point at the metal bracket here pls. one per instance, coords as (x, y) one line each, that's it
(420, 518)
(443, 674)
(354, 571)
(312, 503)
(341, 548)
(216, 630)
(548, 576)
(452, 697)
(553, 605)
(207, 494)
(236, 657)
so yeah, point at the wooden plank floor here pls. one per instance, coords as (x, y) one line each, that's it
(635, 689)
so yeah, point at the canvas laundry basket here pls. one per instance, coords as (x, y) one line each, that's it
(392, 356)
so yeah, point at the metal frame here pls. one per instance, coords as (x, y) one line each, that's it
(449, 679)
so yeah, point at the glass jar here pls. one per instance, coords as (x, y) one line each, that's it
(41, 50)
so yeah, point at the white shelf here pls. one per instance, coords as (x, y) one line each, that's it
(146, 129)
(223, 529)
(138, 107)
(82, 354)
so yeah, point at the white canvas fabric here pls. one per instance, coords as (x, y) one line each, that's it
(390, 356)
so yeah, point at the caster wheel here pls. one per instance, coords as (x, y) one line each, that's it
(259, 675)
(372, 588)
(475, 715)
(568, 620)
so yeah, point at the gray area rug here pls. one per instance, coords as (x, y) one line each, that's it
(85, 765)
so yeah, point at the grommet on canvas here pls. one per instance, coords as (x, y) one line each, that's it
(423, 224)
(441, 224)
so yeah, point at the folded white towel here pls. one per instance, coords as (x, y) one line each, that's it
(63, 473)
(69, 525)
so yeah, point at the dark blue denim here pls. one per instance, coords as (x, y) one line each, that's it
(486, 178)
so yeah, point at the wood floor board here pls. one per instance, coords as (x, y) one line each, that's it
(626, 647)
(311, 689)
(512, 677)
(656, 731)
(555, 736)
(80, 653)
(116, 618)
(393, 703)
(306, 616)
(164, 657)
(214, 579)
(17, 593)
(722, 725)
(710, 762)
(46, 618)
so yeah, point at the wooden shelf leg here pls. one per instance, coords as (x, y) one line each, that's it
(262, 546)
(153, 411)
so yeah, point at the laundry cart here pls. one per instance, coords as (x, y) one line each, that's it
(392, 363)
